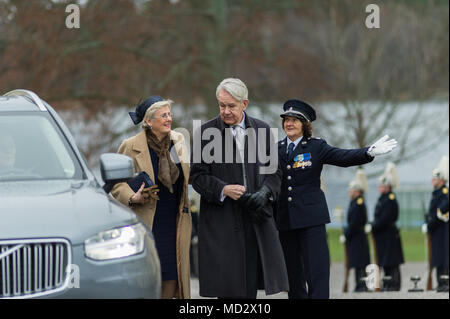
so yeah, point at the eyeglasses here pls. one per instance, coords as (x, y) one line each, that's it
(164, 116)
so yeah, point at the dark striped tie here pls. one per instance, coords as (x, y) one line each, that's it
(290, 149)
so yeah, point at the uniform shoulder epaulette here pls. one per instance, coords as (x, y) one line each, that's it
(316, 138)
(445, 190)
(391, 196)
(360, 201)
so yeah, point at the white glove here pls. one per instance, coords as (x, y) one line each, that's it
(368, 228)
(342, 239)
(443, 217)
(424, 229)
(382, 146)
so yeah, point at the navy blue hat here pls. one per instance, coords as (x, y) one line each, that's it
(138, 116)
(298, 109)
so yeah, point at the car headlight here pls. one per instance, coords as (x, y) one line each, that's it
(116, 243)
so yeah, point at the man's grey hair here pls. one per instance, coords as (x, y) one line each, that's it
(152, 109)
(235, 87)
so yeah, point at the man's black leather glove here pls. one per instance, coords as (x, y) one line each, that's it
(254, 204)
(259, 199)
(259, 216)
(244, 199)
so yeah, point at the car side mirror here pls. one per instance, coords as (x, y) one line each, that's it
(115, 168)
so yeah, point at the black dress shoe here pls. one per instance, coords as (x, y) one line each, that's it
(442, 288)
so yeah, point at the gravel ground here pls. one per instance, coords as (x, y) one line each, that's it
(337, 280)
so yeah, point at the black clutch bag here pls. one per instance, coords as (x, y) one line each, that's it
(137, 181)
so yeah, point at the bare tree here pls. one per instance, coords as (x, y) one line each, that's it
(373, 73)
(315, 50)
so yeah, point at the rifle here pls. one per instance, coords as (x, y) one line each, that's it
(430, 264)
(338, 215)
(429, 256)
(375, 255)
(347, 268)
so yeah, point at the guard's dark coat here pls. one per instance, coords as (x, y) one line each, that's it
(439, 229)
(386, 234)
(307, 206)
(222, 265)
(356, 239)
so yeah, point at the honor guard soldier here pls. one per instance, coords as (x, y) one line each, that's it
(354, 236)
(437, 224)
(386, 234)
(302, 210)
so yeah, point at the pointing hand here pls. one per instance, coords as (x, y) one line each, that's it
(382, 146)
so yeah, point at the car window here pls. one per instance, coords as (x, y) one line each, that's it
(33, 148)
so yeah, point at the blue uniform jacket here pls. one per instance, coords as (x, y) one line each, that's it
(386, 234)
(356, 239)
(439, 229)
(302, 203)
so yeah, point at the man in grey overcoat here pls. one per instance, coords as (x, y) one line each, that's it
(235, 171)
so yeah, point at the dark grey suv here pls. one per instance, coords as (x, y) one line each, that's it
(61, 234)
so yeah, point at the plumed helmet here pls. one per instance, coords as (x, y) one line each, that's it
(441, 171)
(360, 181)
(390, 176)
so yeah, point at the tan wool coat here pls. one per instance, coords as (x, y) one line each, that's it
(136, 147)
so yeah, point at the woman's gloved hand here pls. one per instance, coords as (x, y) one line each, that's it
(382, 146)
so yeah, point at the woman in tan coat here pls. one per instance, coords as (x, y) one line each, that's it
(162, 154)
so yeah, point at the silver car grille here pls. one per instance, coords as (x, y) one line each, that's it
(32, 268)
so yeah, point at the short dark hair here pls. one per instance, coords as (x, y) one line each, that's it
(306, 127)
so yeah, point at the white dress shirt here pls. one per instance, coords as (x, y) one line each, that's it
(240, 140)
(288, 141)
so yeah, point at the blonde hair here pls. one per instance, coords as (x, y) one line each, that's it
(152, 109)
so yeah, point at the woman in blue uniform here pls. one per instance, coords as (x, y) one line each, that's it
(386, 234)
(354, 236)
(302, 210)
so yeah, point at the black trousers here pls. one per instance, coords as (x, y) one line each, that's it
(441, 271)
(360, 285)
(394, 284)
(308, 262)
